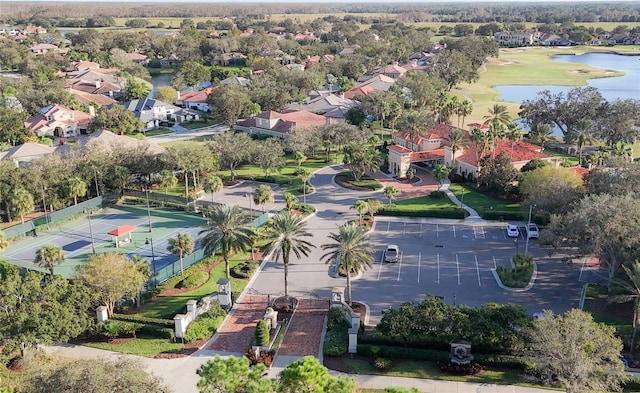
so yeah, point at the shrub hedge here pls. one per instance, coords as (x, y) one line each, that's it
(194, 279)
(245, 269)
(156, 331)
(336, 341)
(520, 276)
(392, 352)
(202, 327)
(141, 319)
(453, 212)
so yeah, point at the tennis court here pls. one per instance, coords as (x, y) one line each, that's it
(78, 238)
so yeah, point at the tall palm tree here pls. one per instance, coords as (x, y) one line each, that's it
(514, 134)
(351, 249)
(497, 114)
(49, 256)
(497, 132)
(229, 229)
(627, 289)
(263, 195)
(541, 132)
(181, 245)
(457, 140)
(390, 192)
(464, 109)
(21, 202)
(584, 135)
(285, 234)
(212, 184)
(361, 206)
(77, 188)
(481, 139)
(167, 180)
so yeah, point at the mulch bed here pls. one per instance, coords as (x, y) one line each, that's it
(336, 363)
(406, 180)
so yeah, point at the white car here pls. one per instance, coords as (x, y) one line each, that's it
(512, 230)
(392, 253)
(532, 230)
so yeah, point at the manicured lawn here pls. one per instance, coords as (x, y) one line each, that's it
(572, 160)
(365, 181)
(416, 369)
(199, 124)
(147, 347)
(486, 206)
(423, 206)
(168, 307)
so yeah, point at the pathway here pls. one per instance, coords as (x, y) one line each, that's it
(305, 329)
(236, 333)
(409, 190)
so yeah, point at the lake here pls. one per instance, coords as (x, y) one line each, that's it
(627, 86)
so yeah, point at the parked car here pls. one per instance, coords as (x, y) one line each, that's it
(512, 230)
(392, 253)
(532, 230)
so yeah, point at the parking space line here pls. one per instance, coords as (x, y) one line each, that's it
(400, 265)
(437, 230)
(388, 226)
(420, 230)
(494, 263)
(419, 258)
(381, 263)
(504, 234)
(458, 268)
(404, 230)
(478, 271)
(454, 231)
(478, 232)
(438, 280)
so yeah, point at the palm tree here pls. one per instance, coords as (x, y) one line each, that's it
(621, 149)
(305, 175)
(464, 109)
(497, 115)
(49, 256)
(212, 184)
(457, 140)
(263, 195)
(290, 200)
(497, 132)
(481, 139)
(584, 135)
(21, 202)
(361, 206)
(229, 229)
(120, 177)
(627, 289)
(181, 245)
(167, 180)
(541, 133)
(285, 234)
(351, 249)
(77, 188)
(390, 192)
(514, 134)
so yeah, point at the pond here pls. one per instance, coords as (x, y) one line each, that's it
(623, 87)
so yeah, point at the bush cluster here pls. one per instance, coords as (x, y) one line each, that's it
(519, 276)
(245, 269)
(202, 327)
(397, 210)
(336, 340)
(194, 279)
(432, 323)
(305, 209)
(382, 364)
(384, 351)
(437, 194)
(113, 328)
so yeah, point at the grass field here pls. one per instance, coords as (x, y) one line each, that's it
(484, 204)
(423, 206)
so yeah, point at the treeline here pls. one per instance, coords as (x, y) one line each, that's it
(449, 13)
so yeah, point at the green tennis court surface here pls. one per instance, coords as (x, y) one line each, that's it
(80, 237)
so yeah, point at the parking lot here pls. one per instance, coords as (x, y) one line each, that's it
(455, 259)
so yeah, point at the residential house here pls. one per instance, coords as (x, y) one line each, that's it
(96, 81)
(316, 59)
(171, 61)
(280, 124)
(394, 71)
(31, 29)
(232, 59)
(22, 154)
(514, 38)
(138, 58)
(107, 141)
(236, 80)
(59, 121)
(358, 91)
(195, 99)
(305, 37)
(153, 112)
(41, 49)
(377, 82)
(349, 50)
(431, 147)
(323, 104)
(91, 99)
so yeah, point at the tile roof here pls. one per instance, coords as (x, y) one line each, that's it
(361, 91)
(39, 121)
(522, 152)
(434, 154)
(440, 131)
(25, 150)
(91, 98)
(195, 96)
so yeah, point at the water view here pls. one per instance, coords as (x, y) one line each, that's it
(623, 87)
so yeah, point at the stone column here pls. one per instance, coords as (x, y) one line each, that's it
(101, 314)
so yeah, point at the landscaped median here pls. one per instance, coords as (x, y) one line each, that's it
(520, 277)
(433, 205)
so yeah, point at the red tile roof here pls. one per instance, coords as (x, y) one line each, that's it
(582, 171)
(522, 152)
(427, 155)
(196, 96)
(361, 91)
(440, 131)
(399, 149)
